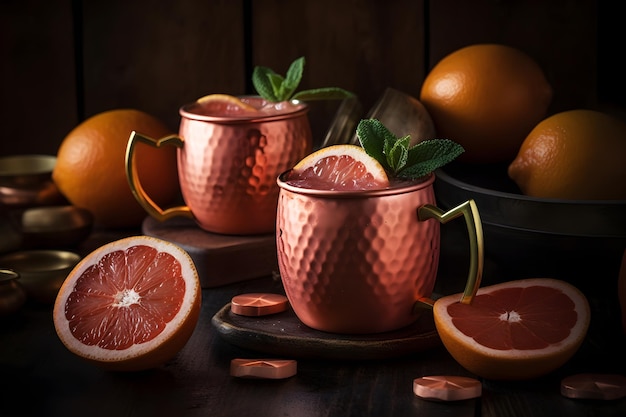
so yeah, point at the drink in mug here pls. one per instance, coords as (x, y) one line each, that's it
(229, 156)
(358, 261)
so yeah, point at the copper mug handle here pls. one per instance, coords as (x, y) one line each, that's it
(469, 211)
(135, 185)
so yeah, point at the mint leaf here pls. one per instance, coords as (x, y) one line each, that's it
(375, 138)
(263, 81)
(399, 154)
(294, 76)
(276, 88)
(397, 158)
(277, 82)
(428, 155)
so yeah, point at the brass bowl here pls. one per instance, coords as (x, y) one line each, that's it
(41, 272)
(26, 181)
(54, 226)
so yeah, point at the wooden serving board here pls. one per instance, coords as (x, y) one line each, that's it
(284, 334)
(219, 259)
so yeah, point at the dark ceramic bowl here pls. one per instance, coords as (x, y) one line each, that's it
(578, 241)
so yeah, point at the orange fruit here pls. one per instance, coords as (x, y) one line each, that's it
(90, 168)
(486, 97)
(339, 167)
(576, 154)
(514, 330)
(130, 305)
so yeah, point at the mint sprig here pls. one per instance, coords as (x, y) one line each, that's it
(276, 88)
(400, 160)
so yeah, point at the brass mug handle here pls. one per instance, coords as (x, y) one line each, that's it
(469, 210)
(133, 178)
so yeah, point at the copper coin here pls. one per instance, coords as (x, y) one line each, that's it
(263, 368)
(447, 388)
(258, 304)
(594, 386)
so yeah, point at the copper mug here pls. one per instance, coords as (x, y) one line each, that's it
(227, 166)
(361, 262)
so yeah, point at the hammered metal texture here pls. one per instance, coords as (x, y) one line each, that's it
(357, 265)
(228, 171)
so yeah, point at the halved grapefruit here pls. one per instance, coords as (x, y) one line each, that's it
(129, 305)
(514, 330)
(339, 167)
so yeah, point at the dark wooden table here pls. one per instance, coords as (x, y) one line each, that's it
(40, 377)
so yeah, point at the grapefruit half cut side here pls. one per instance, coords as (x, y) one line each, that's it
(129, 305)
(514, 330)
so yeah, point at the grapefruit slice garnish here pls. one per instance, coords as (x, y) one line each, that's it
(514, 330)
(225, 104)
(339, 167)
(129, 305)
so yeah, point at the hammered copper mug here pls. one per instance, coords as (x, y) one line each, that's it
(227, 165)
(359, 262)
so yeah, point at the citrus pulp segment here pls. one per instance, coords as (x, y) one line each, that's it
(514, 330)
(129, 305)
(339, 167)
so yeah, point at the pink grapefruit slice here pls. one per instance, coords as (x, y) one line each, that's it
(225, 105)
(129, 305)
(339, 167)
(514, 330)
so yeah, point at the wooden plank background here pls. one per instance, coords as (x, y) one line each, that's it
(66, 60)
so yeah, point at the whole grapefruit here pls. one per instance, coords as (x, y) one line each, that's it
(486, 97)
(574, 155)
(90, 168)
